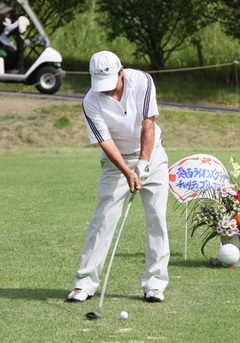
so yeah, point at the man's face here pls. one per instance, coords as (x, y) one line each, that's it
(5, 15)
(117, 88)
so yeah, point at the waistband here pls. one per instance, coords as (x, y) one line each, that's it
(132, 155)
(137, 153)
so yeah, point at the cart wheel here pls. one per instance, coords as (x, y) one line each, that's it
(48, 79)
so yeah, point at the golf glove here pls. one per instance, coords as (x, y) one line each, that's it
(23, 23)
(142, 169)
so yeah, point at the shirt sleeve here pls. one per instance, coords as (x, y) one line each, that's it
(95, 122)
(11, 28)
(146, 96)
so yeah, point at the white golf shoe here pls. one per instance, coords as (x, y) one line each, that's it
(78, 295)
(153, 296)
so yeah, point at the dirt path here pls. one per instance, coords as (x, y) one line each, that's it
(25, 105)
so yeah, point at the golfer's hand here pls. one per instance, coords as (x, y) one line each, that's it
(142, 170)
(134, 182)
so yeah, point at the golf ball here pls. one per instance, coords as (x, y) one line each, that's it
(228, 254)
(123, 315)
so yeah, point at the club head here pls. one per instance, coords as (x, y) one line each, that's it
(93, 315)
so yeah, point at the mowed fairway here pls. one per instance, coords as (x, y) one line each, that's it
(47, 199)
(48, 192)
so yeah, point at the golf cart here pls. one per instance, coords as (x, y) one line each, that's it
(44, 70)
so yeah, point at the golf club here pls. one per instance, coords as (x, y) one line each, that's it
(96, 314)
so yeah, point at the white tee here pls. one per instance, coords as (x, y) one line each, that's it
(122, 120)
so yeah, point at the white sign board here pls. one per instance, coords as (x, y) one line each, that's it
(195, 176)
(189, 177)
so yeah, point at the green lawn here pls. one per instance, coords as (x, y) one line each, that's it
(46, 201)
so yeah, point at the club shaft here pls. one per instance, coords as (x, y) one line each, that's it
(113, 252)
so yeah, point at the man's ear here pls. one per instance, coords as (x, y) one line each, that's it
(120, 71)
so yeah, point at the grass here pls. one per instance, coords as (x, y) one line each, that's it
(64, 126)
(202, 87)
(48, 192)
(47, 198)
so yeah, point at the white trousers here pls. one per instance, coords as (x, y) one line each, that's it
(113, 192)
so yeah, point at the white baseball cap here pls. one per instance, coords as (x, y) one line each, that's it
(4, 8)
(104, 67)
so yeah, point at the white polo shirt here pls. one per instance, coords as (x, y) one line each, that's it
(122, 120)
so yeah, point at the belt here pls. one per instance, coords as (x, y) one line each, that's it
(137, 153)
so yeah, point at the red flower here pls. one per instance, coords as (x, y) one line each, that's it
(238, 195)
(237, 220)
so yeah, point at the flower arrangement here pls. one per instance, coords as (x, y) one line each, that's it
(220, 215)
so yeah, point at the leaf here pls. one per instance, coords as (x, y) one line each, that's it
(212, 235)
(195, 227)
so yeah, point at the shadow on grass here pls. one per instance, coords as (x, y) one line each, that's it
(119, 296)
(190, 263)
(44, 294)
(142, 255)
(176, 259)
(33, 294)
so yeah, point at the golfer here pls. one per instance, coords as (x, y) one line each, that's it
(120, 110)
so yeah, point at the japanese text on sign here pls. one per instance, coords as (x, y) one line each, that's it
(196, 172)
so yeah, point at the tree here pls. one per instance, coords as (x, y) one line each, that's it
(229, 13)
(52, 13)
(157, 27)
